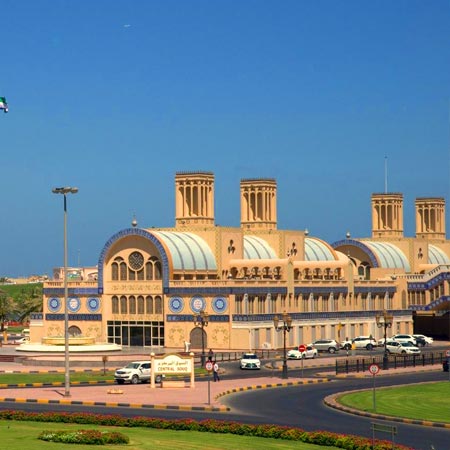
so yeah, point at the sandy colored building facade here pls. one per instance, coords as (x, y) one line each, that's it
(151, 284)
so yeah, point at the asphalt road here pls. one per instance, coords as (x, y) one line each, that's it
(299, 406)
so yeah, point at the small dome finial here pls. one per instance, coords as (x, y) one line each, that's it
(134, 222)
(348, 235)
(306, 231)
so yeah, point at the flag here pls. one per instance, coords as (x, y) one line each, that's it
(3, 104)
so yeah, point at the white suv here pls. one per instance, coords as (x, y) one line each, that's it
(405, 338)
(366, 342)
(135, 372)
(402, 348)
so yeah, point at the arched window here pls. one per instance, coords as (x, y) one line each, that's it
(149, 304)
(123, 305)
(140, 305)
(114, 271)
(148, 270)
(74, 331)
(158, 271)
(123, 271)
(158, 305)
(132, 304)
(115, 304)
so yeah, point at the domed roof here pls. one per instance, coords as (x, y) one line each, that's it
(437, 255)
(188, 251)
(317, 250)
(257, 248)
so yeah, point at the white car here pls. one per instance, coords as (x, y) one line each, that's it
(402, 348)
(135, 372)
(23, 340)
(404, 338)
(310, 352)
(250, 361)
(427, 339)
(359, 342)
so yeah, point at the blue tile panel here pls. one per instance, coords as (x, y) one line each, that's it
(191, 317)
(84, 317)
(438, 279)
(432, 305)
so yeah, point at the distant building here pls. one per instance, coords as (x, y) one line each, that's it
(151, 283)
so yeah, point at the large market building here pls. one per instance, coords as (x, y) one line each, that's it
(150, 284)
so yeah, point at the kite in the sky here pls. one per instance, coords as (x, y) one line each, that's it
(3, 104)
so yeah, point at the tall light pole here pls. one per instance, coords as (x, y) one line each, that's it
(201, 320)
(385, 320)
(64, 191)
(285, 326)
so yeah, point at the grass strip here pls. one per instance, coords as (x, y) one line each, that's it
(425, 401)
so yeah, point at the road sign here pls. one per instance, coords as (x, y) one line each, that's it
(209, 366)
(302, 348)
(374, 369)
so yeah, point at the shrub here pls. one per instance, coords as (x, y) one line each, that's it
(92, 437)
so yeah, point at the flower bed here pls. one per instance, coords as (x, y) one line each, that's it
(325, 438)
(92, 437)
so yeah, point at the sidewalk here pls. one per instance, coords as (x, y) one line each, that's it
(143, 396)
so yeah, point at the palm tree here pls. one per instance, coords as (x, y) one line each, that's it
(8, 309)
(29, 301)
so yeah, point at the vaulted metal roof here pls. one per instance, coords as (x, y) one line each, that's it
(188, 251)
(257, 248)
(437, 255)
(388, 255)
(316, 250)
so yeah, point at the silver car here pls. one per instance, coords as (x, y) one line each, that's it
(326, 345)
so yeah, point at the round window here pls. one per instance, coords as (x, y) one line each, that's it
(136, 260)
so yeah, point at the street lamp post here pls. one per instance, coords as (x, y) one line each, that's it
(384, 320)
(284, 324)
(64, 191)
(201, 320)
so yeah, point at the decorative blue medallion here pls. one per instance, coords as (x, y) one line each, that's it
(93, 304)
(219, 304)
(54, 304)
(176, 304)
(73, 304)
(198, 303)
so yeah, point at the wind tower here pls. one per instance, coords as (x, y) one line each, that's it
(387, 215)
(430, 218)
(259, 204)
(194, 199)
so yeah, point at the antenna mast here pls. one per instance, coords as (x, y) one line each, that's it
(385, 175)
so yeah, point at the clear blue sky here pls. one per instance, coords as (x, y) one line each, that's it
(115, 97)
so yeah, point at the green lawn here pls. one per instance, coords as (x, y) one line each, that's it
(97, 375)
(20, 435)
(27, 378)
(426, 401)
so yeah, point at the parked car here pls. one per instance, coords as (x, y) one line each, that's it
(250, 361)
(326, 345)
(402, 348)
(135, 372)
(404, 338)
(428, 340)
(310, 352)
(22, 340)
(366, 342)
